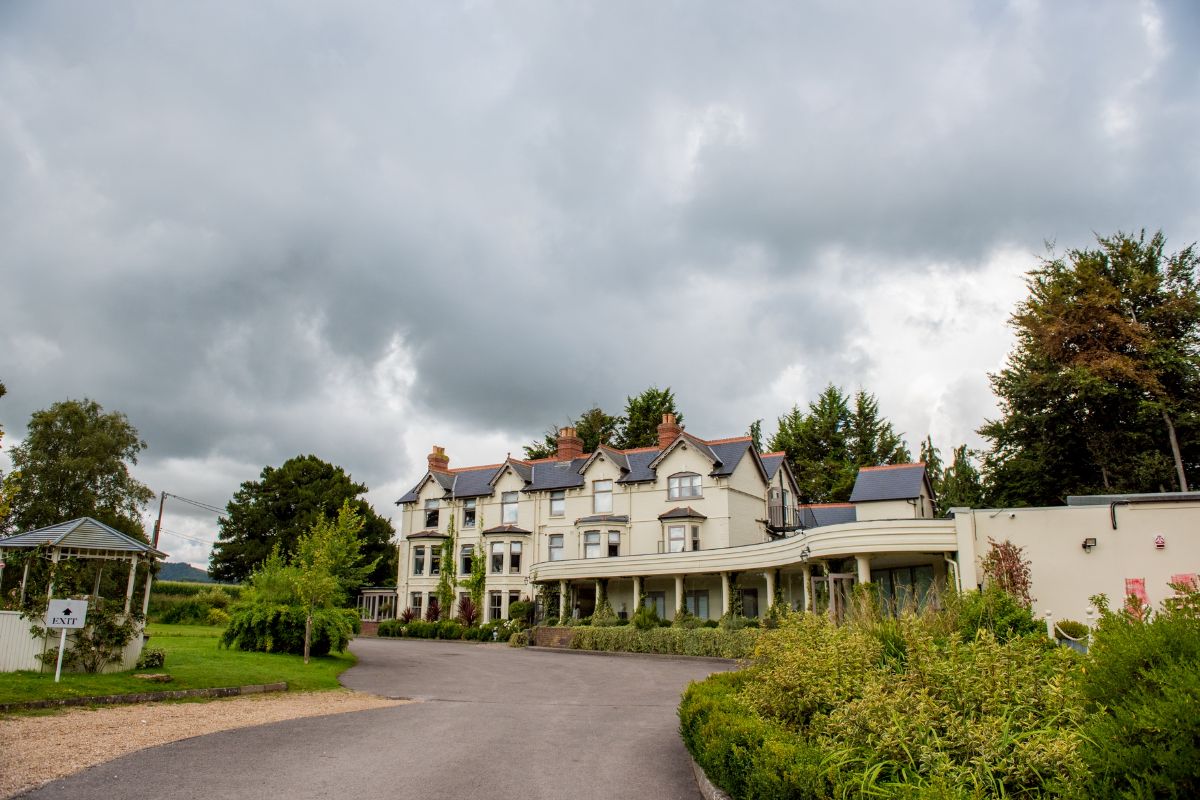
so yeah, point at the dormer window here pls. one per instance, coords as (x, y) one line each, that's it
(431, 514)
(683, 485)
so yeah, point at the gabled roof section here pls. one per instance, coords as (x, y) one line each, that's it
(685, 438)
(618, 457)
(550, 475)
(772, 462)
(639, 460)
(83, 533)
(524, 471)
(890, 482)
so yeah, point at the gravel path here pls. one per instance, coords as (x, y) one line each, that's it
(34, 750)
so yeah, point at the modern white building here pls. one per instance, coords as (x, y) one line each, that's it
(713, 525)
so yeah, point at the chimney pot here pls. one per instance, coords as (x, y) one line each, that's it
(438, 460)
(668, 431)
(570, 446)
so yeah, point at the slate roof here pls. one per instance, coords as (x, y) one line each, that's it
(814, 516)
(771, 463)
(892, 482)
(549, 475)
(83, 533)
(428, 534)
(507, 530)
(682, 512)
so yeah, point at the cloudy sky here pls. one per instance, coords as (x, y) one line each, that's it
(360, 229)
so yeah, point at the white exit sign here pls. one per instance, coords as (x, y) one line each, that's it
(66, 614)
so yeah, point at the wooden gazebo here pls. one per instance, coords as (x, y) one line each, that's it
(83, 538)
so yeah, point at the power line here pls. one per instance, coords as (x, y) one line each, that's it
(185, 536)
(198, 504)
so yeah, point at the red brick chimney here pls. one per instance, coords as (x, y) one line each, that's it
(569, 444)
(438, 460)
(668, 431)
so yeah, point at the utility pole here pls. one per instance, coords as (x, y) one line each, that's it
(162, 498)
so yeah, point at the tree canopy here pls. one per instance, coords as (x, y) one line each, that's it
(828, 442)
(1102, 392)
(74, 462)
(283, 505)
(638, 427)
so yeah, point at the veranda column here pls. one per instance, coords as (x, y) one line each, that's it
(806, 572)
(562, 599)
(146, 594)
(725, 593)
(864, 568)
(637, 594)
(53, 568)
(678, 594)
(599, 595)
(770, 588)
(129, 584)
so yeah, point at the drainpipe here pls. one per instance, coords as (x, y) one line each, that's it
(952, 565)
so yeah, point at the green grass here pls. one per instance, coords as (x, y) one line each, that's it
(194, 661)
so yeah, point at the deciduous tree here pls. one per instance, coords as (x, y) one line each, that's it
(1102, 392)
(74, 462)
(283, 505)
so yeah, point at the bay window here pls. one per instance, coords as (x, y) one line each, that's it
(614, 543)
(675, 538)
(514, 557)
(591, 544)
(497, 557)
(418, 565)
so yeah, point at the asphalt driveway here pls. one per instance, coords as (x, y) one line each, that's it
(491, 721)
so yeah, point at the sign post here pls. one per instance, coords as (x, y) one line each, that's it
(64, 614)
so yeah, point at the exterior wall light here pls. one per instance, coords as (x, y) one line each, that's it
(1089, 543)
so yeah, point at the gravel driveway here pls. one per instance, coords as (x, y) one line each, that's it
(490, 721)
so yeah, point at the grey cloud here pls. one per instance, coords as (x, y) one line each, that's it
(222, 217)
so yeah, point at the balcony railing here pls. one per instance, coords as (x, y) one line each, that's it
(783, 519)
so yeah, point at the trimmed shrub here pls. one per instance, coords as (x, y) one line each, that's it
(390, 627)
(216, 616)
(666, 641)
(521, 611)
(1076, 630)
(686, 619)
(280, 629)
(519, 639)
(450, 629)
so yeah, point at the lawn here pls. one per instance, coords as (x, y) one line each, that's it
(194, 661)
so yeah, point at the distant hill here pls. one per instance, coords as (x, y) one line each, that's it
(182, 572)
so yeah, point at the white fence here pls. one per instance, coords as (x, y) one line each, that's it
(19, 648)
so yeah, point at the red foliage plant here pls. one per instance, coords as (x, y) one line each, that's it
(1005, 566)
(468, 612)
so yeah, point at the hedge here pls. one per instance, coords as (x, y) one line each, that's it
(710, 642)
(747, 756)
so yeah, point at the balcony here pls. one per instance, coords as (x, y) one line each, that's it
(783, 519)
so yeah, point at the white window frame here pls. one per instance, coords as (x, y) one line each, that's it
(692, 599)
(495, 606)
(496, 549)
(558, 497)
(606, 506)
(464, 552)
(695, 537)
(435, 559)
(614, 537)
(676, 543)
(432, 505)
(556, 549)
(514, 557)
(418, 558)
(684, 486)
(469, 507)
(591, 539)
(417, 604)
(508, 508)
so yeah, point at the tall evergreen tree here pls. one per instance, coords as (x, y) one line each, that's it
(1102, 393)
(644, 413)
(828, 443)
(594, 426)
(961, 485)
